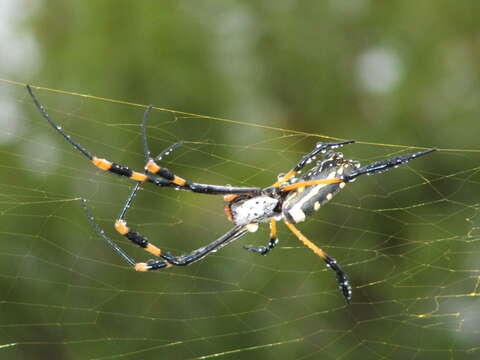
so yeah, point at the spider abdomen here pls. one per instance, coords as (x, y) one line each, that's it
(304, 201)
(254, 210)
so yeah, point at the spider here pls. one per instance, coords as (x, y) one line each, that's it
(292, 198)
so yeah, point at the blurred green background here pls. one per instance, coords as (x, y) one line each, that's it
(268, 79)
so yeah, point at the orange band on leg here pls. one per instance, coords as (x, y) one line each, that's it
(152, 167)
(311, 183)
(139, 176)
(179, 181)
(152, 249)
(102, 163)
(141, 267)
(305, 241)
(285, 178)
(273, 229)
(121, 227)
(230, 197)
(144, 266)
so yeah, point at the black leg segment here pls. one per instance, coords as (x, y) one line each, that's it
(198, 254)
(320, 148)
(342, 279)
(100, 232)
(262, 250)
(384, 165)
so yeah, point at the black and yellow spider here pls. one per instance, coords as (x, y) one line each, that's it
(290, 199)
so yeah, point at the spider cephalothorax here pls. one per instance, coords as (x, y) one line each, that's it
(257, 209)
(291, 199)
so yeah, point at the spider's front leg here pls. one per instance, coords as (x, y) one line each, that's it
(264, 250)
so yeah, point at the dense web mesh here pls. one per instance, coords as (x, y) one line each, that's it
(408, 239)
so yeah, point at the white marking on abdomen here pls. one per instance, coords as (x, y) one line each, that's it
(297, 214)
(296, 211)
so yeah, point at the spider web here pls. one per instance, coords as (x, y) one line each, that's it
(408, 239)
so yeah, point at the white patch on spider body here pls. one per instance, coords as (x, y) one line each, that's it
(297, 214)
(257, 209)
